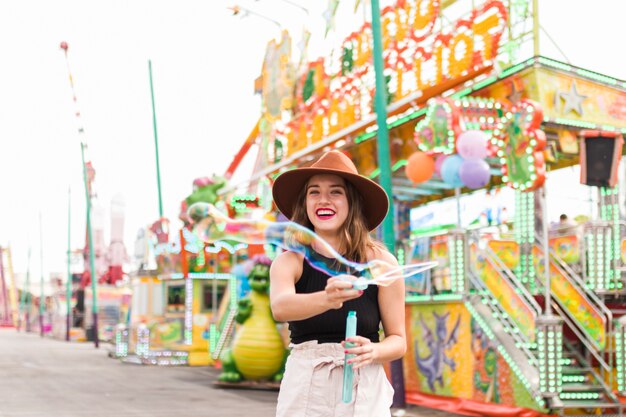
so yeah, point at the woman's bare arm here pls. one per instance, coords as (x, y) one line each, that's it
(289, 306)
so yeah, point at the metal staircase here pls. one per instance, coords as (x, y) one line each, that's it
(226, 333)
(586, 378)
(584, 392)
(504, 332)
(586, 388)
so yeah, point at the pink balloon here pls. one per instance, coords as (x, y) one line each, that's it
(472, 144)
(438, 162)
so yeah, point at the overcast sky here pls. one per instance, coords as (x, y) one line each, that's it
(204, 62)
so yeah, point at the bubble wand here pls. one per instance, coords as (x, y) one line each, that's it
(211, 225)
(348, 374)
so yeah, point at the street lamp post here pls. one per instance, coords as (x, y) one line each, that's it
(64, 46)
(384, 163)
(41, 295)
(156, 142)
(25, 296)
(68, 284)
(92, 263)
(6, 316)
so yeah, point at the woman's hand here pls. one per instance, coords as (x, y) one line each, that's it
(362, 348)
(339, 289)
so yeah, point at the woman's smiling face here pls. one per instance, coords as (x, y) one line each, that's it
(326, 202)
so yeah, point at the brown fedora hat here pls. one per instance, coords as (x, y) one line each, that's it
(288, 184)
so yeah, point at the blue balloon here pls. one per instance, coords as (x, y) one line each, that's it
(450, 171)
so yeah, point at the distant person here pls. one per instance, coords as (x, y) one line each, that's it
(565, 222)
(564, 225)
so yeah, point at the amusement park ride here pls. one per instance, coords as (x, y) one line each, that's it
(498, 327)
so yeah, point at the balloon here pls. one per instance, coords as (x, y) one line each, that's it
(450, 170)
(438, 161)
(419, 167)
(474, 173)
(472, 144)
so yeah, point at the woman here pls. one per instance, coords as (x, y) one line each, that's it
(342, 207)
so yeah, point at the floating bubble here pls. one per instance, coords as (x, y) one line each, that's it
(211, 225)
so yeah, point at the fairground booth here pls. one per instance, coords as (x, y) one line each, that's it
(181, 296)
(475, 115)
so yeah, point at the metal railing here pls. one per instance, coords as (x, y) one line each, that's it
(508, 325)
(226, 333)
(595, 303)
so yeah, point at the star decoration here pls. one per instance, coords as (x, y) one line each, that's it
(573, 100)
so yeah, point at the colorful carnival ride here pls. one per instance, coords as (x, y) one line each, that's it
(189, 304)
(522, 321)
(177, 301)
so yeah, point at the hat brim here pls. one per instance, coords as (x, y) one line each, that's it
(288, 185)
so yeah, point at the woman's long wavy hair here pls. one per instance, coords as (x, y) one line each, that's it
(354, 236)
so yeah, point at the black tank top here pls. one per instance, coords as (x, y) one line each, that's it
(330, 326)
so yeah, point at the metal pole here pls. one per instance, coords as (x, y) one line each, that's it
(600, 203)
(41, 295)
(384, 163)
(590, 201)
(536, 27)
(156, 142)
(457, 195)
(546, 252)
(13, 287)
(214, 285)
(68, 285)
(5, 294)
(26, 293)
(92, 263)
(20, 308)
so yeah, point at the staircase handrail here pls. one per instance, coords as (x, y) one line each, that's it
(594, 301)
(507, 274)
(225, 334)
(512, 280)
(606, 368)
(521, 340)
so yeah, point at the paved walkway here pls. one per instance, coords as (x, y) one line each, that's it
(52, 378)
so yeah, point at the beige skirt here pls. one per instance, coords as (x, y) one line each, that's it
(313, 384)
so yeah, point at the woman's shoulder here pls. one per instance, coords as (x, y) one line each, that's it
(287, 264)
(288, 256)
(379, 251)
(288, 259)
